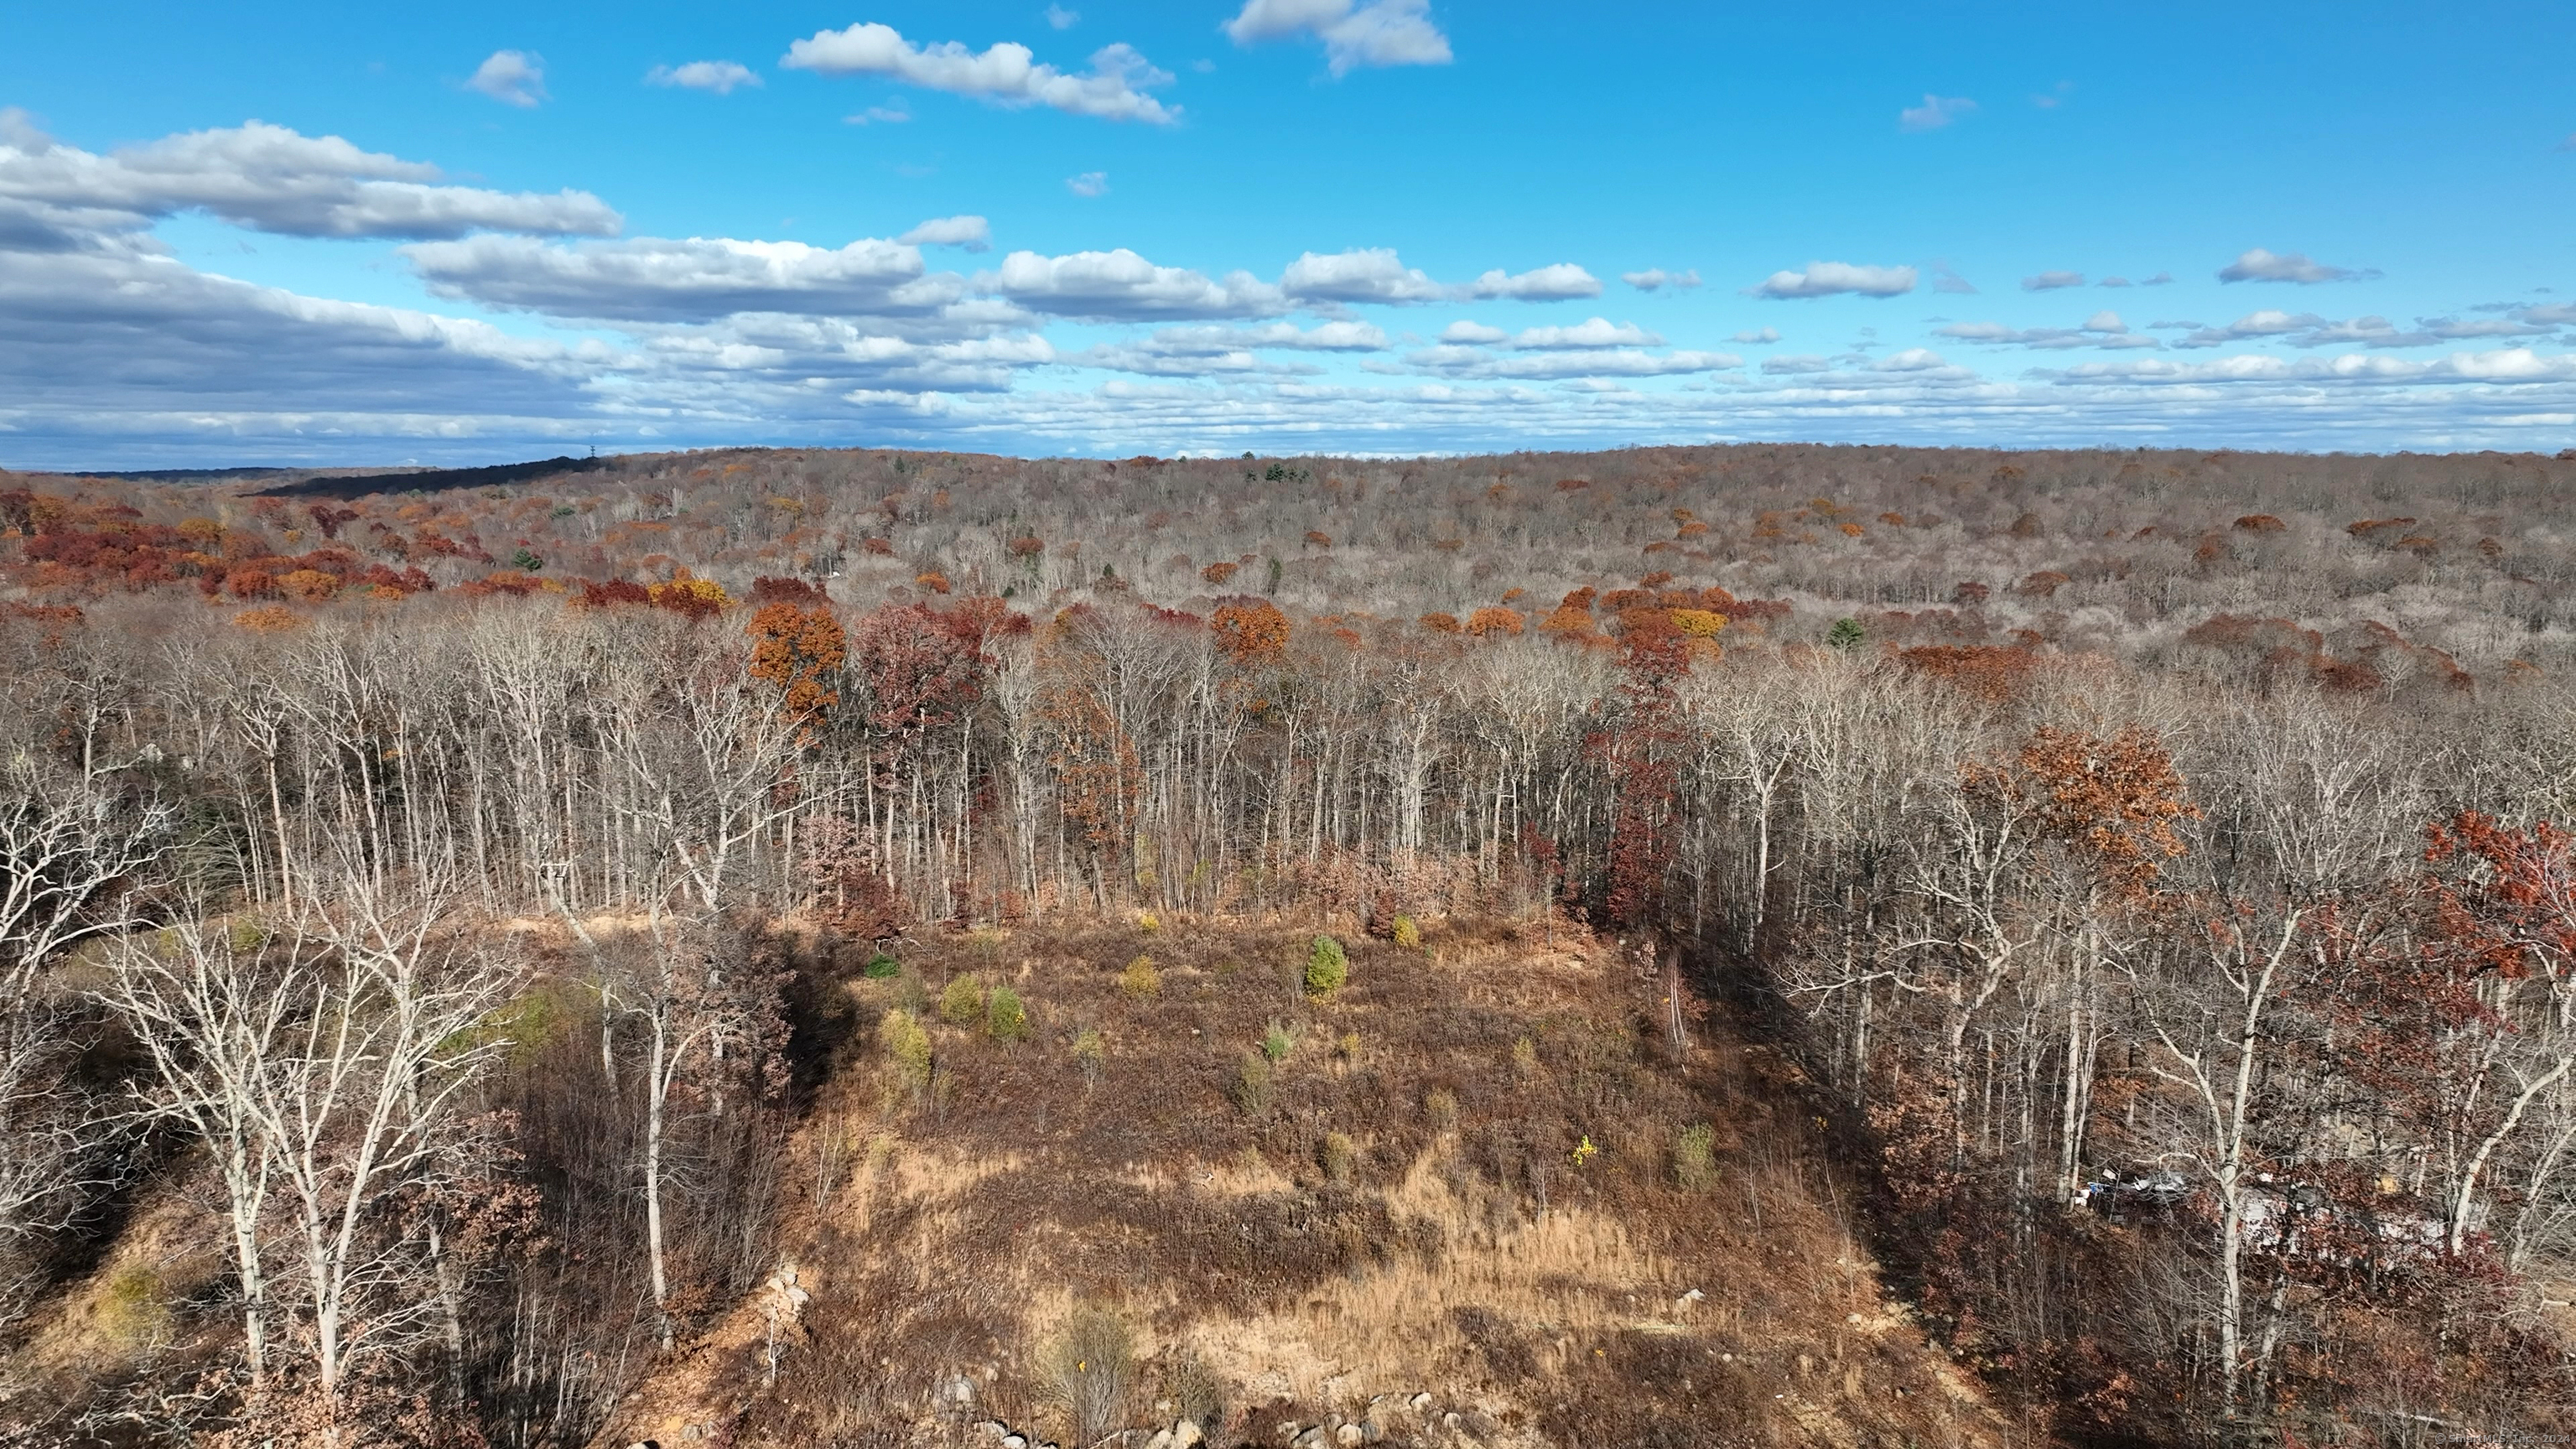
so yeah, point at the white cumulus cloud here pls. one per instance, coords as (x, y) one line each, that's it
(1200, 351)
(2307, 329)
(512, 77)
(1757, 337)
(1324, 337)
(1089, 183)
(1372, 274)
(1595, 332)
(2103, 329)
(1379, 33)
(264, 177)
(1826, 279)
(1655, 278)
(1006, 73)
(2258, 265)
(1122, 286)
(1555, 283)
(656, 279)
(971, 232)
(1473, 334)
(2051, 281)
(1476, 362)
(719, 76)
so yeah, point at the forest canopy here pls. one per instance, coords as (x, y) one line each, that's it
(2158, 862)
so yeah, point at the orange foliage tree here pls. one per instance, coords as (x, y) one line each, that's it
(799, 651)
(1251, 633)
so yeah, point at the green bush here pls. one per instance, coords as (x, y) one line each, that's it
(962, 1002)
(1090, 1053)
(1276, 1041)
(1327, 967)
(1005, 1018)
(1407, 934)
(528, 1024)
(1140, 980)
(881, 967)
(1339, 1158)
(907, 1049)
(1694, 1158)
(1252, 1084)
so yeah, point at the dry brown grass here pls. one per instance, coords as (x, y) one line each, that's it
(1462, 1252)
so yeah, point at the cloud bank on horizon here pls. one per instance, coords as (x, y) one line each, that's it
(1338, 225)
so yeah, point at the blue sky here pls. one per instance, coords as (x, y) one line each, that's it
(472, 232)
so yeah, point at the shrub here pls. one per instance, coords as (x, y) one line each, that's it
(1196, 1393)
(1407, 934)
(1252, 1084)
(1327, 967)
(962, 1002)
(1442, 1108)
(1348, 1048)
(881, 967)
(1140, 980)
(1084, 1370)
(1338, 1157)
(1148, 922)
(1525, 1056)
(1694, 1158)
(1275, 1042)
(1845, 634)
(1090, 1053)
(1005, 1018)
(907, 1049)
(912, 993)
(132, 1312)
